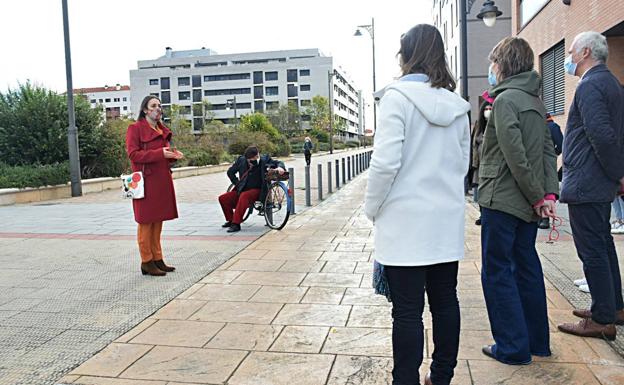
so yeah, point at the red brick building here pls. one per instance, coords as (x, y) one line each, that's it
(550, 27)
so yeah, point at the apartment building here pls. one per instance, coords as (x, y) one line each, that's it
(113, 100)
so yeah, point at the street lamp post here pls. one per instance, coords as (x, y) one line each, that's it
(72, 131)
(232, 103)
(330, 76)
(370, 28)
(489, 12)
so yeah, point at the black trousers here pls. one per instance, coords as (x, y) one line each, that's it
(591, 231)
(407, 288)
(308, 157)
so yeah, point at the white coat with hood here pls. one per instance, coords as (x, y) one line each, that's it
(415, 192)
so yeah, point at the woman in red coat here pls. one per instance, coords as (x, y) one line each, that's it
(148, 147)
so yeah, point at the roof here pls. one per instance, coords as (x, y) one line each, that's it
(101, 89)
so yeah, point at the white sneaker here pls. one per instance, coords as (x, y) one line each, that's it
(584, 288)
(617, 228)
(579, 282)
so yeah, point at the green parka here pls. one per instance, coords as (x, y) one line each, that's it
(518, 162)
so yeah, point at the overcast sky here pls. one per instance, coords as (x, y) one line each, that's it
(109, 36)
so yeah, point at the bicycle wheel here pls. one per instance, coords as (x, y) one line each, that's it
(248, 213)
(276, 211)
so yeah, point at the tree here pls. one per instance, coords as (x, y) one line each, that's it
(286, 119)
(319, 113)
(258, 122)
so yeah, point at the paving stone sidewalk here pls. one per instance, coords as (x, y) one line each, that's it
(296, 307)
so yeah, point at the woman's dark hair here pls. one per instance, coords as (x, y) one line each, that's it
(422, 51)
(513, 56)
(481, 121)
(251, 151)
(144, 104)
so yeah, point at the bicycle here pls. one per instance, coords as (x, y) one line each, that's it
(277, 203)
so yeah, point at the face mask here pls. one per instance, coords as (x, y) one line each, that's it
(570, 66)
(254, 162)
(491, 76)
(155, 114)
(486, 114)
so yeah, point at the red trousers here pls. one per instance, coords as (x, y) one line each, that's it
(235, 206)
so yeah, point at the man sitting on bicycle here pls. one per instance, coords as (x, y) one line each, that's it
(250, 187)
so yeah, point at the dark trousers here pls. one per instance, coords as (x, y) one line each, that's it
(513, 286)
(235, 206)
(591, 231)
(407, 287)
(308, 157)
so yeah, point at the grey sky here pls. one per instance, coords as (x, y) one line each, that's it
(108, 37)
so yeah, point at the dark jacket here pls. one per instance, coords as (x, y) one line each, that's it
(307, 147)
(242, 165)
(593, 159)
(518, 161)
(556, 135)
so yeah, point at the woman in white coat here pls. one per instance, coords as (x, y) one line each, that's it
(415, 198)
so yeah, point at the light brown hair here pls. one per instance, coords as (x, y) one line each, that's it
(513, 56)
(422, 51)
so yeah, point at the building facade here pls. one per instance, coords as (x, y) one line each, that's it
(481, 39)
(238, 84)
(114, 101)
(550, 27)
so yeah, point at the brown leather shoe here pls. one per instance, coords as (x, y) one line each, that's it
(586, 313)
(428, 379)
(151, 269)
(588, 328)
(161, 265)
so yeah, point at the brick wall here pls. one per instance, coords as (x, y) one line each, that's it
(557, 22)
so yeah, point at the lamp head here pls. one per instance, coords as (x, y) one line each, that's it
(357, 32)
(489, 13)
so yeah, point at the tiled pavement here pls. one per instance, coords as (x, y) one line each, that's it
(296, 307)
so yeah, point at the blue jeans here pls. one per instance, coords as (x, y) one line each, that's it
(513, 285)
(618, 207)
(407, 287)
(591, 232)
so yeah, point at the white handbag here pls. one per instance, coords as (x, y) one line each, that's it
(133, 185)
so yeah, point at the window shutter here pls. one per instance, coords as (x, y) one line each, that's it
(553, 79)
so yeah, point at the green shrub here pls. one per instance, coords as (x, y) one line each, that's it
(296, 148)
(352, 143)
(323, 146)
(338, 145)
(33, 175)
(241, 140)
(282, 146)
(258, 122)
(202, 150)
(320, 135)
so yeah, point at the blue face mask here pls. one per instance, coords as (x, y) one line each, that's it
(491, 76)
(570, 66)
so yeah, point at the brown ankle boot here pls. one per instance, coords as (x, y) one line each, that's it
(586, 313)
(589, 328)
(161, 265)
(151, 269)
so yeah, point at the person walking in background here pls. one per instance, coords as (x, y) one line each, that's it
(307, 150)
(617, 225)
(415, 188)
(557, 138)
(517, 186)
(148, 147)
(593, 169)
(477, 140)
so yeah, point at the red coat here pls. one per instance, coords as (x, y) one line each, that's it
(144, 147)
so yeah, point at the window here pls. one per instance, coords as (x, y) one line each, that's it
(258, 92)
(291, 76)
(125, 99)
(452, 15)
(455, 61)
(292, 91)
(239, 106)
(198, 110)
(306, 102)
(270, 75)
(198, 124)
(272, 91)
(153, 82)
(305, 87)
(304, 72)
(257, 77)
(272, 105)
(197, 95)
(529, 8)
(101, 100)
(116, 100)
(107, 100)
(164, 84)
(456, 14)
(184, 95)
(125, 108)
(230, 91)
(185, 81)
(165, 97)
(196, 80)
(216, 78)
(306, 117)
(155, 94)
(553, 79)
(185, 110)
(93, 101)
(259, 105)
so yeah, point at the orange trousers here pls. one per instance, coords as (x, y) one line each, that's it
(148, 237)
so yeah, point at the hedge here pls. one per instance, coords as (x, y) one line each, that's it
(33, 175)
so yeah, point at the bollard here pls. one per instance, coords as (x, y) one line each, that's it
(307, 186)
(320, 181)
(348, 168)
(337, 174)
(344, 172)
(329, 177)
(353, 166)
(291, 188)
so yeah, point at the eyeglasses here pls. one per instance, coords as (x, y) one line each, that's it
(553, 236)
